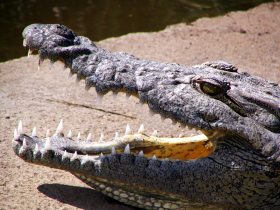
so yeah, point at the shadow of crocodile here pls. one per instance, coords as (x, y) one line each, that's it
(81, 197)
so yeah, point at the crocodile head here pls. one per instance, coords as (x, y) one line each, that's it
(234, 164)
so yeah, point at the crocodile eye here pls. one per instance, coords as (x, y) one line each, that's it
(210, 89)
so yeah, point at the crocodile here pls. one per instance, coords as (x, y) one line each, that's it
(232, 164)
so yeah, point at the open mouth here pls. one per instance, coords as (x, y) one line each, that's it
(137, 144)
(149, 146)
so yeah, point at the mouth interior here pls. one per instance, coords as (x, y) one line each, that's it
(184, 148)
(152, 147)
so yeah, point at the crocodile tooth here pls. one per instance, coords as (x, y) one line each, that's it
(151, 112)
(99, 98)
(36, 149)
(48, 144)
(87, 87)
(127, 95)
(127, 130)
(29, 53)
(89, 137)
(154, 157)
(24, 43)
(127, 149)
(78, 79)
(20, 130)
(101, 139)
(15, 134)
(180, 135)
(116, 136)
(51, 65)
(79, 136)
(59, 127)
(163, 118)
(69, 135)
(141, 153)
(70, 74)
(21, 150)
(74, 156)
(101, 155)
(84, 159)
(34, 132)
(113, 151)
(41, 60)
(24, 143)
(114, 94)
(64, 155)
(48, 133)
(155, 133)
(141, 129)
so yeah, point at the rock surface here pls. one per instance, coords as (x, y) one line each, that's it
(40, 98)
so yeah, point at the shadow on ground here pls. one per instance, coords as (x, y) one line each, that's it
(81, 197)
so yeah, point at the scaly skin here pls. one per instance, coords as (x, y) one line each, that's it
(238, 113)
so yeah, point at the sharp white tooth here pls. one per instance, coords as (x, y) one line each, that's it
(24, 43)
(84, 159)
(59, 127)
(113, 151)
(15, 134)
(69, 135)
(99, 98)
(101, 155)
(36, 149)
(34, 132)
(154, 157)
(141, 129)
(79, 136)
(78, 79)
(101, 139)
(48, 144)
(127, 95)
(127, 130)
(180, 135)
(74, 156)
(70, 74)
(116, 136)
(20, 130)
(87, 87)
(155, 133)
(39, 67)
(24, 143)
(51, 65)
(127, 149)
(64, 155)
(48, 133)
(21, 150)
(141, 153)
(89, 137)
(29, 53)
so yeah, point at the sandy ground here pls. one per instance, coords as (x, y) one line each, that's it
(251, 40)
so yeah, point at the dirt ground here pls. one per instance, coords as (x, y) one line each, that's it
(250, 40)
